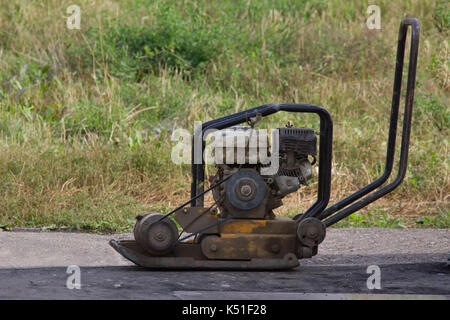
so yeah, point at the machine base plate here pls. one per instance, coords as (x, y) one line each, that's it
(131, 250)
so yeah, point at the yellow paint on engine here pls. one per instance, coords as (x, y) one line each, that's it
(243, 226)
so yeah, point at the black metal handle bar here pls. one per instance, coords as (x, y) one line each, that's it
(403, 162)
(325, 148)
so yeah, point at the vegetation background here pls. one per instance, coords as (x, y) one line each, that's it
(86, 115)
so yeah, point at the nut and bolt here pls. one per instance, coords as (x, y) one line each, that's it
(312, 233)
(246, 190)
(160, 236)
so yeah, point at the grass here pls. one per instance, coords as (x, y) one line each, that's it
(86, 115)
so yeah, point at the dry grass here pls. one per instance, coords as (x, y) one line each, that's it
(85, 124)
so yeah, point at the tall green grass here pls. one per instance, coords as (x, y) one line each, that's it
(86, 115)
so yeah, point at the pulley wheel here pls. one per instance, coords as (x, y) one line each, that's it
(246, 189)
(311, 231)
(156, 237)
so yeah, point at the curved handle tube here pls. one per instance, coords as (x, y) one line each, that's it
(403, 163)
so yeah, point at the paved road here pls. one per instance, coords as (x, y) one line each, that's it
(33, 265)
(136, 283)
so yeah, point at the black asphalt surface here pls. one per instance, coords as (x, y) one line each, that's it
(130, 282)
(413, 262)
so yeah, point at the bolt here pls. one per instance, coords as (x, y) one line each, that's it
(312, 233)
(213, 248)
(246, 190)
(185, 210)
(160, 236)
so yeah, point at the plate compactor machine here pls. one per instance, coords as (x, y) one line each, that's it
(240, 230)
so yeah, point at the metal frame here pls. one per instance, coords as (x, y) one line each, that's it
(325, 151)
(326, 132)
(192, 259)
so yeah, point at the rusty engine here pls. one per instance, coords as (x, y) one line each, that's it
(243, 153)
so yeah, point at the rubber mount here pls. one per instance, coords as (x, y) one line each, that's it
(246, 189)
(156, 237)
